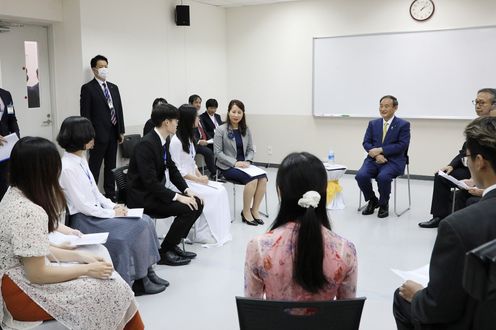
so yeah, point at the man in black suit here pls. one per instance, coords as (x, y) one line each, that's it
(101, 103)
(209, 119)
(149, 125)
(147, 185)
(201, 139)
(441, 194)
(444, 304)
(8, 125)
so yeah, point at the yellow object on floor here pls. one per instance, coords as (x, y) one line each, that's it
(333, 188)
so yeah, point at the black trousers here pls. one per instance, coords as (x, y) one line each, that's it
(185, 218)
(464, 199)
(441, 195)
(208, 155)
(107, 153)
(402, 312)
(4, 167)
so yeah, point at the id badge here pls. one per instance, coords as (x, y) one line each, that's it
(10, 109)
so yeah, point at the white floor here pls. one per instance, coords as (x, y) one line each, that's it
(201, 295)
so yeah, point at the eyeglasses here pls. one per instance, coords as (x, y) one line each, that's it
(465, 160)
(480, 102)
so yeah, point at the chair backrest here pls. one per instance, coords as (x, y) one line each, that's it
(120, 176)
(258, 314)
(127, 146)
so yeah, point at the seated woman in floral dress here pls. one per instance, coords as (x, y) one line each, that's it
(300, 258)
(81, 295)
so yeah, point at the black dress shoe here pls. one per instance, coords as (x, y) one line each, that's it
(371, 206)
(152, 276)
(432, 223)
(185, 254)
(251, 223)
(383, 211)
(259, 221)
(172, 259)
(145, 286)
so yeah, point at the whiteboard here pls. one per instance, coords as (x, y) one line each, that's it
(434, 74)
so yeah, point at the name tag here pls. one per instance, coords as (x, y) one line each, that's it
(10, 109)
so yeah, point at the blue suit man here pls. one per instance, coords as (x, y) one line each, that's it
(386, 142)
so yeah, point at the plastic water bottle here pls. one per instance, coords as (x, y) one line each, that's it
(330, 157)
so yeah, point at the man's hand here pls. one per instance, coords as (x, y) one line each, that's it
(203, 142)
(380, 159)
(409, 289)
(469, 182)
(2, 140)
(447, 169)
(474, 191)
(374, 152)
(190, 201)
(120, 139)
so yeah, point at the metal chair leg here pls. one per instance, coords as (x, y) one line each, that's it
(360, 207)
(454, 200)
(399, 214)
(234, 203)
(266, 214)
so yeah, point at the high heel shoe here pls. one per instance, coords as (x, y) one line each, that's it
(251, 223)
(258, 221)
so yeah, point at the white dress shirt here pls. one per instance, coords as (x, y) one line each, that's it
(488, 189)
(388, 123)
(101, 82)
(80, 189)
(212, 117)
(185, 161)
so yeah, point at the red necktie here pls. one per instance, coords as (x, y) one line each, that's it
(202, 132)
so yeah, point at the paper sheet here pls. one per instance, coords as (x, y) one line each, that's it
(458, 183)
(419, 275)
(57, 238)
(252, 170)
(7, 147)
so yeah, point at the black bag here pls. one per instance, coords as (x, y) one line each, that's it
(127, 146)
(479, 276)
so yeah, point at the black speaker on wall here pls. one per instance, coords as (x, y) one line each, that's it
(182, 15)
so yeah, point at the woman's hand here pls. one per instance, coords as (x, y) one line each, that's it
(242, 164)
(75, 232)
(88, 258)
(100, 270)
(203, 179)
(120, 212)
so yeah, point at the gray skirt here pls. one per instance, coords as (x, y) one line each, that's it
(132, 243)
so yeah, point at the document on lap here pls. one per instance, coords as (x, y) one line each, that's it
(57, 238)
(458, 183)
(252, 170)
(133, 213)
(419, 275)
(211, 141)
(7, 147)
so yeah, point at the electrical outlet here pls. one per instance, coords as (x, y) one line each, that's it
(269, 150)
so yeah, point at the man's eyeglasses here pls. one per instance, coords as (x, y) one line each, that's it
(465, 160)
(480, 102)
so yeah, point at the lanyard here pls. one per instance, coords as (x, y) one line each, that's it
(86, 172)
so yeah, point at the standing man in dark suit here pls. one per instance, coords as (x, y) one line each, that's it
(444, 304)
(149, 167)
(210, 120)
(101, 104)
(201, 139)
(386, 142)
(8, 125)
(441, 194)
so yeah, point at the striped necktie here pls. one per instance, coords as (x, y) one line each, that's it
(113, 116)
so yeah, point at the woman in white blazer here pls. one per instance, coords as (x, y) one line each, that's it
(233, 149)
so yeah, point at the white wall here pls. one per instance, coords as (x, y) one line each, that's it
(149, 56)
(270, 69)
(32, 10)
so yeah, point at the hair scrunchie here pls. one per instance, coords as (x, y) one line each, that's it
(310, 198)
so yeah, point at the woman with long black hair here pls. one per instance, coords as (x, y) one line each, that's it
(214, 224)
(300, 258)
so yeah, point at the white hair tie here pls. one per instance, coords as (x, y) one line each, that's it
(310, 198)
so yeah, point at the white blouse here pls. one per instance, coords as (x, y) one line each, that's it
(80, 189)
(185, 162)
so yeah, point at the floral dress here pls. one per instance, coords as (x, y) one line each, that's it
(269, 267)
(85, 303)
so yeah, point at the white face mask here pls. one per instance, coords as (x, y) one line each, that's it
(103, 73)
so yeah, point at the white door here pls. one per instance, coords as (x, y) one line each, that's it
(15, 66)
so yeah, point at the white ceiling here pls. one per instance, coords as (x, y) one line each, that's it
(240, 3)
